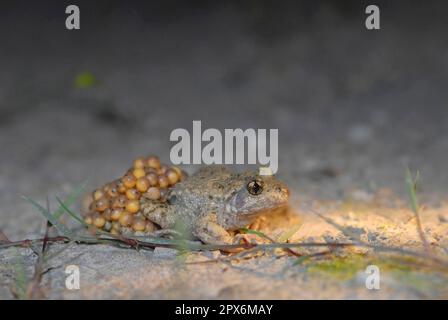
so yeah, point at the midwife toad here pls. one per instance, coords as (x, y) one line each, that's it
(214, 201)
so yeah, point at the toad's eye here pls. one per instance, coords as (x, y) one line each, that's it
(255, 187)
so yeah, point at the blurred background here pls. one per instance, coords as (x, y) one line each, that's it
(353, 107)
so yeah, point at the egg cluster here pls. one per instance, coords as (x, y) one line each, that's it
(115, 207)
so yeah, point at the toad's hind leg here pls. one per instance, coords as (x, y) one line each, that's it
(158, 212)
(210, 232)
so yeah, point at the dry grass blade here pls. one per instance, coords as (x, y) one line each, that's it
(237, 256)
(285, 236)
(263, 235)
(347, 231)
(412, 190)
(34, 291)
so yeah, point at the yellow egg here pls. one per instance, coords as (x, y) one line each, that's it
(139, 173)
(126, 219)
(119, 202)
(177, 169)
(120, 186)
(172, 176)
(139, 163)
(116, 213)
(139, 224)
(163, 181)
(153, 179)
(107, 214)
(133, 194)
(98, 194)
(153, 193)
(88, 220)
(99, 221)
(101, 204)
(142, 184)
(132, 206)
(153, 162)
(112, 191)
(129, 181)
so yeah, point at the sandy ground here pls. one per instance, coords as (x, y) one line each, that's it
(353, 108)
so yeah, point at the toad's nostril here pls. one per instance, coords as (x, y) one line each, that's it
(283, 190)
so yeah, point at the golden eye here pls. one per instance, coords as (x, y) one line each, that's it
(255, 187)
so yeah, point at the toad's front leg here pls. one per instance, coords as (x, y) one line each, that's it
(210, 232)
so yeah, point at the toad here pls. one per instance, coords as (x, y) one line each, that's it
(214, 201)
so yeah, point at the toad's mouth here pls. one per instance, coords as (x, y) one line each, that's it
(264, 211)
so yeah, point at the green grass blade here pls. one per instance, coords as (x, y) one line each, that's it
(285, 236)
(54, 221)
(71, 198)
(300, 260)
(71, 213)
(251, 231)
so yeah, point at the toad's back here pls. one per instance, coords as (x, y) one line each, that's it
(206, 190)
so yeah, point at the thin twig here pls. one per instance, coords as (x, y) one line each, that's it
(263, 235)
(232, 257)
(201, 247)
(4, 238)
